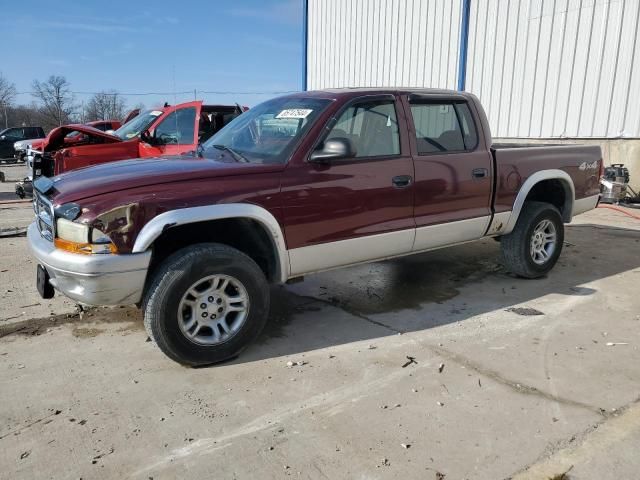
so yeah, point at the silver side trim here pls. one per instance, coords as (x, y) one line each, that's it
(443, 234)
(157, 225)
(585, 204)
(326, 256)
(538, 177)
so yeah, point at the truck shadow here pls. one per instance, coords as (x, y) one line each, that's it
(432, 289)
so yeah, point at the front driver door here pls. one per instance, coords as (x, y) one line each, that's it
(174, 133)
(353, 209)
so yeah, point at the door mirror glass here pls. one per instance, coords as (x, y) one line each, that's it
(333, 148)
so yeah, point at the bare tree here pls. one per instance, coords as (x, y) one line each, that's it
(7, 95)
(105, 106)
(56, 100)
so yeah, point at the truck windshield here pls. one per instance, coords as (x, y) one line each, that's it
(267, 133)
(137, 124)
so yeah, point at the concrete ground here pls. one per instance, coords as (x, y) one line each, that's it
(509, 379)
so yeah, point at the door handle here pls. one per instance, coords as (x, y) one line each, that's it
(479, 173)
(401, 181)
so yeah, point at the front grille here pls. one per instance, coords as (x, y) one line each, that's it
(44, 216)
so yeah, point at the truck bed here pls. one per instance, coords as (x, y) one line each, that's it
(515, 163)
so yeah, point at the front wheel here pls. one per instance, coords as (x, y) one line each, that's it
(206, 303)
(532, 249)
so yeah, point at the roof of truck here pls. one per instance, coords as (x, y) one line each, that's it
(335, 93)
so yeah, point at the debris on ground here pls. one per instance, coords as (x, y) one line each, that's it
(613, 344)
(440, 476)
(372, 347)
(24, 455)
(386, 462)
(524, 311)
(561, 476)
(410, 361)
(440, 404)
(405, 445)
(299, 363)
(440, 368)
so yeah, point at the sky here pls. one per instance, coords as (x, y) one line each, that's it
(160, 46)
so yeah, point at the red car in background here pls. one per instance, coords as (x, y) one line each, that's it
(73, 137)
(169, 130)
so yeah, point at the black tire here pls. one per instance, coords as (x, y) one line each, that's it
(172, 280)
(516, 246)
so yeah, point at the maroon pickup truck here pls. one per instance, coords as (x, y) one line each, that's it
(301, 183)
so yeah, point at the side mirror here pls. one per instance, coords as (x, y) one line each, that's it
(147, 138)
(334, 148)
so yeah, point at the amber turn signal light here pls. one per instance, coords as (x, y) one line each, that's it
(85, 248)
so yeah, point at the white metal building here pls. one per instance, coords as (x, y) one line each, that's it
(542, 68)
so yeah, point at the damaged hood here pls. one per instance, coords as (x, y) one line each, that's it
(56, 138)
(127, 174)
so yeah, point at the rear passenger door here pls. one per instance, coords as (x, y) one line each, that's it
(453, 174)
(353, 209)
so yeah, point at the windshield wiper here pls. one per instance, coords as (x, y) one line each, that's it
(237, 156)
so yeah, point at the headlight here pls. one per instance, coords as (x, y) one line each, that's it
(72, 231)
(79, 238)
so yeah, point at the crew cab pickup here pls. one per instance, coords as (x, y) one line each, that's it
(168, 130)
(299, 184)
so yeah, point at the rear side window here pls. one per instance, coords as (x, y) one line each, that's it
(443, 127)
(372, 128)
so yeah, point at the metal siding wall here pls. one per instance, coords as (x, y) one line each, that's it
(557, 68)
(542, 68)
(378, 43)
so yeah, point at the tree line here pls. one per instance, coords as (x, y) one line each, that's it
(54, 104)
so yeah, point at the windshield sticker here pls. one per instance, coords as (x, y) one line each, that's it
(295, 113)
(155, 113)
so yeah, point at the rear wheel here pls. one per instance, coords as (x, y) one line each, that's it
(532, 249)
(205, 304)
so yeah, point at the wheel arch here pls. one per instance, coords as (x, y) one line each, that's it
(537, 180)
(155, 228)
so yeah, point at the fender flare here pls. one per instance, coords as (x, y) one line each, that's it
(156, 226)
(533, 180)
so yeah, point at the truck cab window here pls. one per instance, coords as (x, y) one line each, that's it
(371, 127)
(178, 128)
(438, 127)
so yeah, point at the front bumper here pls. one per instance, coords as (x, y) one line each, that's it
(92, 279)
